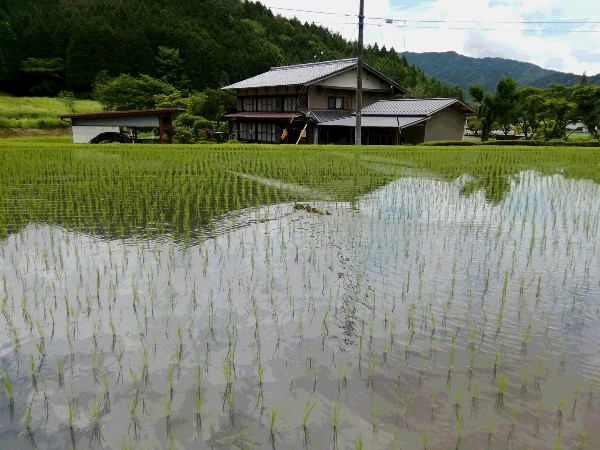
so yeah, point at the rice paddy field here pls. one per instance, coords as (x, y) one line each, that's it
(299, 297)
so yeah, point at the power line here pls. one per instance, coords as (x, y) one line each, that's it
(497, 22)
(409, 27)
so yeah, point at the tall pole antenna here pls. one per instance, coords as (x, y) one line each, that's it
(361, 25)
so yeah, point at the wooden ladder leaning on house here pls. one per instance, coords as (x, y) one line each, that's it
(299, 100)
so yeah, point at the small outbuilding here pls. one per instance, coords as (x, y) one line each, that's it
(122, 126)
(403, 121)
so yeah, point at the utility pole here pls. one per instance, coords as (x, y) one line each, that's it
(361, 25)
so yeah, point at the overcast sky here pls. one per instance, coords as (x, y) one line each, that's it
(534, 30)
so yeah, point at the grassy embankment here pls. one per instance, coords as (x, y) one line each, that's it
(37, 116)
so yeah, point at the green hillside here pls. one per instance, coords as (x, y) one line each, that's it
(462, 71)
(49, 46)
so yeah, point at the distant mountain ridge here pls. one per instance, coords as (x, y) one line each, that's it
(459, 70)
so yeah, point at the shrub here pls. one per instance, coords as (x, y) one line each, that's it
(449, 143)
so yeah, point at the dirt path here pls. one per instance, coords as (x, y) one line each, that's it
(32, 132)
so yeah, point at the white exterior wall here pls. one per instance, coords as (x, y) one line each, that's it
(348, 80)
(83, 135)
(318, 97)
(117, 121)
(446, 125)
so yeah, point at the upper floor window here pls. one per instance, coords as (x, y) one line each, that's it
(339, 103)
(248, 104)
(289, 104)
(266, 104)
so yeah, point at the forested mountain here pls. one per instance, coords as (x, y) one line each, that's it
(51, 45)
(462, 71)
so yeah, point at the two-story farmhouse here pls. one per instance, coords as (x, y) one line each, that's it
(315, 103)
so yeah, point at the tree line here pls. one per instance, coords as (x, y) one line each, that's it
(49, 46)
(535, 112)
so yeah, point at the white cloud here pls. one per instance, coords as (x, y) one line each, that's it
(567, 51)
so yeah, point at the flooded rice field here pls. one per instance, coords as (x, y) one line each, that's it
(411, 310)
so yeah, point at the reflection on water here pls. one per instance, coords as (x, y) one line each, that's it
(406, 309)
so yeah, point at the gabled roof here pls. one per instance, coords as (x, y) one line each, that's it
(307, 74)
(414, 107)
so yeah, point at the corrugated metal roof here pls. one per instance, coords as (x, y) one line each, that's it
(326, 115)
(413, 107)
(263, 115)
(300, 74)
(135, 112)
(376, 122)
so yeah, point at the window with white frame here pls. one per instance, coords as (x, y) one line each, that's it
(246, 131)
(266, 132)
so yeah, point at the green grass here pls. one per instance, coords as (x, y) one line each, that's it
(38, 112)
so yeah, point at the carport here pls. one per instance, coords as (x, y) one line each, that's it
(122, 126)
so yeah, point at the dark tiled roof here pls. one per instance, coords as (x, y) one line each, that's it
(413, 107)
(326, 115)
(263, 115)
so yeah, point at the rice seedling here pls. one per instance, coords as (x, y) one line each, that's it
(580, 441)
(575, 401)
(95, 426)
(425, 438)
(512, 414)
(459, 430)
(592, 389)
(105, 395)
(198, 400)
(335, 411)
(490, 432)
(272, 426)
(502, 382)
(457, 403)
(27, 431)
(167, 405)
(475, 399)
(539, 366)
(371, 378)
(403, 399)
(307, 410)
(133, 418)
(10, 394)
(450, 361)
(496, 358)
(34, 383)
(374, 419)
(538, 414)
(560, 412)
(70, 422)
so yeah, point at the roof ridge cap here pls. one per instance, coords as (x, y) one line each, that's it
(332, 61)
